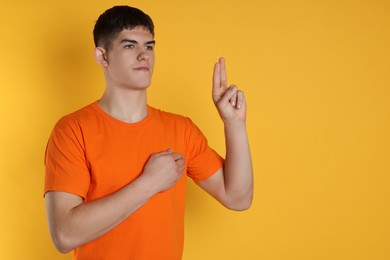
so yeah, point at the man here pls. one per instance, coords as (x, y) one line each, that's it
(115, 184)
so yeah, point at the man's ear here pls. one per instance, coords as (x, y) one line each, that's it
(101, 56)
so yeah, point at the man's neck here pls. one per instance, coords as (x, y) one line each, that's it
(126, 106)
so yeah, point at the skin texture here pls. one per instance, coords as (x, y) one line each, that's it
(128, 68)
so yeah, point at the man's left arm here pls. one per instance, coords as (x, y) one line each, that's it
(231, 185)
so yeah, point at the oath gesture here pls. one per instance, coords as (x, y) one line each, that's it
(229, 101)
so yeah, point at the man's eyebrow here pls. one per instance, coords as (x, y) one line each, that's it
(135, 42)
(151, 42)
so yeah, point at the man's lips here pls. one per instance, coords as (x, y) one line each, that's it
(143, 68)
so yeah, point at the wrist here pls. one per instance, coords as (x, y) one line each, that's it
(143, 187)
(234, 124)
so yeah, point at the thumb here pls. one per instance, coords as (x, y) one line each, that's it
(166, 152)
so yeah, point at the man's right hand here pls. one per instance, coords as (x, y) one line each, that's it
(162, 171)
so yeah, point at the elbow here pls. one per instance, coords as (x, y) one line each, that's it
(239, 207)
(62, 250)
(240, 204)
(62, 242)
(62, 247)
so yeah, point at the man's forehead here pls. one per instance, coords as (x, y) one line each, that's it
(139, 31)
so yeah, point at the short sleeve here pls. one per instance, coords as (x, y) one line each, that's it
(66, 168)
(202, 160)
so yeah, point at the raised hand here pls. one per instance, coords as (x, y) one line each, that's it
(230, 101)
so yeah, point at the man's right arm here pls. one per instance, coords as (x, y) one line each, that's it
(74, 223)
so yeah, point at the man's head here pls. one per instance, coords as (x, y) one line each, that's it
(116, 19)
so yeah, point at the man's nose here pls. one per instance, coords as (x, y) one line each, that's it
(143, 55)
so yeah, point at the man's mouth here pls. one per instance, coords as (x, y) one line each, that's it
(143, 68)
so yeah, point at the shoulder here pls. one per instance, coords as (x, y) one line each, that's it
(83, 114)
(74, 122)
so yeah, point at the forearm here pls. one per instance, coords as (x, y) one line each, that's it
(238, 173)
(77, 225)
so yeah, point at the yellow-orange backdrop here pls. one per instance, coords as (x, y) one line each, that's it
(316, 77)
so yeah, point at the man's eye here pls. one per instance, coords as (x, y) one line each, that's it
(149, 47)
(129, 46)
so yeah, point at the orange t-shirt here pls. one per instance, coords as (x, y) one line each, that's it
(92, 155)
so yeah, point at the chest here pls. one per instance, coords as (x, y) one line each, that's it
(116, 157)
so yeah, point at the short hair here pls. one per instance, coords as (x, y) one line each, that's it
(114, 20)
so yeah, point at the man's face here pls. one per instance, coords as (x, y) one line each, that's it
(131, 59)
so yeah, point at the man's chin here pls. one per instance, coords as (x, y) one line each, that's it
(142, 86)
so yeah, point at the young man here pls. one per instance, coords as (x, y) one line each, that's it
(115, 169)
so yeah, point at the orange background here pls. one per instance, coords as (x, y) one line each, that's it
(316, 77)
